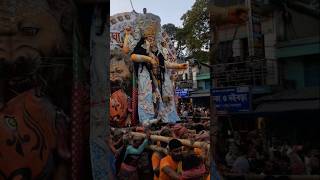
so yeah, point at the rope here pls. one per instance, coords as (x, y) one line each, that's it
(132, 6)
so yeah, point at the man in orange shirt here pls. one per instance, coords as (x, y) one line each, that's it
(169, 164)
(157, 156)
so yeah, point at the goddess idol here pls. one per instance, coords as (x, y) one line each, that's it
(153, 71)
(142, 41)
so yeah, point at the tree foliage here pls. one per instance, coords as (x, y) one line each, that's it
(171, 29)
(176, 34)
(192, 40)
(195, 32)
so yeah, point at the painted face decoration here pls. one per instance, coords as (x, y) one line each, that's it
(31, 33)
(28, 134)
(118, 108)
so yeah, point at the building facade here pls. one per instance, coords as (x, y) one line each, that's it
(276, 54)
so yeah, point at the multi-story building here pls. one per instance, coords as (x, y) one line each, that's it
(193, 85)
(201, 86)
(276, 54)
(297, 53)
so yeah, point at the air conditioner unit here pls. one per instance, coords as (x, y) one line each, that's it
(289, 84)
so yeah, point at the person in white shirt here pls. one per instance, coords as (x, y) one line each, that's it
(241, 165)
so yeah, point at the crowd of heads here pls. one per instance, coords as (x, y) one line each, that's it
(197, 112)
(251, 154)
(191, 163)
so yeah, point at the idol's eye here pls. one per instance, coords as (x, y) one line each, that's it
(29, 29)
(11, 122)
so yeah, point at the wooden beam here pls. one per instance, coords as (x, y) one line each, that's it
(185, 142)
(157, 148)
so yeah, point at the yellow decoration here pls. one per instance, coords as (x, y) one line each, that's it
(150, 30)
(179, 169)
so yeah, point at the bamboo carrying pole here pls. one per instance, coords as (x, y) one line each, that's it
(157, 148)
(185, 142)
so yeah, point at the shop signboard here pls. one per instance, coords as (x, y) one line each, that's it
(185, 84)
(183, 93)
(232, 99)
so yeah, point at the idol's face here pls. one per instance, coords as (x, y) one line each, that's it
(119, 70)
(150, 40)
(26, 37)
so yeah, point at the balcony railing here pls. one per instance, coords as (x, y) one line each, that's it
(252, 71)
(184, 84)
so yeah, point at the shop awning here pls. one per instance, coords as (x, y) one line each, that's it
(290, 100)
(200, 93)
(299, 47)
(283, 106)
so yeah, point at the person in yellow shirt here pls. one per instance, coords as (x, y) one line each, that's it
(169, 164)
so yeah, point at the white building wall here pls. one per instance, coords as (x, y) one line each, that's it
(270, 40)
(195, 71)
(236, 47)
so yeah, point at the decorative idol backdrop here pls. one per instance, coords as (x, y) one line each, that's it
(143, 62)
(45, 100)
(36, 83)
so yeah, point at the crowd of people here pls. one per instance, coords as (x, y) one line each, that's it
(133, 158)
(251, 155)
(236, 155)
(187, 110)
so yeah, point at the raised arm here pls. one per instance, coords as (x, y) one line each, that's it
(111, 145)
(170, 65)
(127, 38)
(141, 58)
(132, 150)
(171, 173)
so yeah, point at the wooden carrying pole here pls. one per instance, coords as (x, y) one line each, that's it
(157, 148)
(185, 142)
